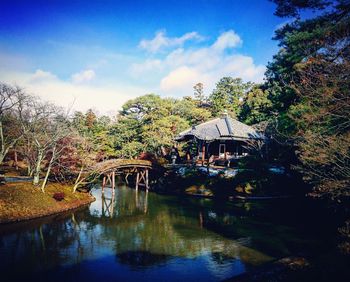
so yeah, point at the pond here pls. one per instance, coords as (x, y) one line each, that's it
(138, 236)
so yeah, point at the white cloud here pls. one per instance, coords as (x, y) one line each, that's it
(41, 75)
(184, 67)
(180, 81)
(180, 77)
(228, 39)
(172, 72)
(148, 65)
(160, 41)
(83, 76)
(106, 99)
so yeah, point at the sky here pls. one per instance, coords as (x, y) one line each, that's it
(99, 54)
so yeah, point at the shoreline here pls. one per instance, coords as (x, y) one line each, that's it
(51, 213)
(22, 202)
(230, 199)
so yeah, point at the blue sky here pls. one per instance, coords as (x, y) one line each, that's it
(98, 54)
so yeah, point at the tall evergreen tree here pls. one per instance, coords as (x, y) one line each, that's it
(309, 87)
(228, 95)
(199, 93)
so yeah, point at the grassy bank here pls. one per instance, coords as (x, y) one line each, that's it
(21, 201)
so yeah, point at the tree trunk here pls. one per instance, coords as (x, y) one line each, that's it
(48, 169)
(36, 178)
(5, 149)
(29, 169)
(16, 160)
(2, 152)
(45, 179)
(37, 171)
(78, 180)
(2, 156)
(76, 185)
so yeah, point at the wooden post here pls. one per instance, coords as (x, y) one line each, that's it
(103, 183)
(103, 203)
(136, 199)
(137, 180)
(147, 187)
(109, 180)
(146, 203)
(113, 181)
(112, 205)
(126, 178)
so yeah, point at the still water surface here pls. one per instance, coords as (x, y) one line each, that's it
(138, 236)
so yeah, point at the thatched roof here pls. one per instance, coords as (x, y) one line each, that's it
(224, 128)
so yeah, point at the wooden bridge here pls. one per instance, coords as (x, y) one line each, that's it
(110, 168)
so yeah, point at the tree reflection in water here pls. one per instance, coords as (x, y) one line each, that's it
(143, 230)
(140, 259)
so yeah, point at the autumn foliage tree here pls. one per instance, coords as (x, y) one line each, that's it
(309, 87)
(310, 82)
(323, 122)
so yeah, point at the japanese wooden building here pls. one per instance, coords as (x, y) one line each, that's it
(220, 138)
